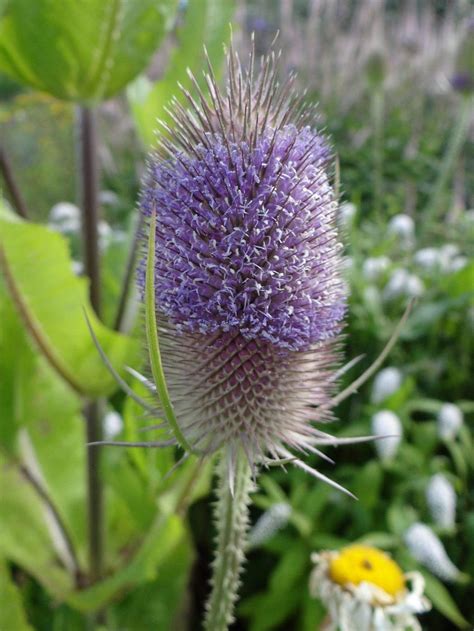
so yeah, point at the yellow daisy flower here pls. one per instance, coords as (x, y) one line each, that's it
(365, 590)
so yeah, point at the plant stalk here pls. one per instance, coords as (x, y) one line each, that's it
(89, 187)
(12, 185)
(231, 514)
(453, 151)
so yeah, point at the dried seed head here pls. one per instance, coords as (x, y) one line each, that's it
(249, 298)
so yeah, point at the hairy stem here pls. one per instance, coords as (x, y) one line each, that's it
(89, 185)
(12, 186)
(231, 513)
(455, 145)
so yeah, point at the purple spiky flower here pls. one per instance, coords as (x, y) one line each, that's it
(249, 298)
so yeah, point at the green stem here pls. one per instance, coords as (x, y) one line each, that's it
(231, 513)
(453, 150)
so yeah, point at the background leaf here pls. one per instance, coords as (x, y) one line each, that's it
(206, 22)
(81, 51)
(12, 615)
(52, 301)
(441, 599)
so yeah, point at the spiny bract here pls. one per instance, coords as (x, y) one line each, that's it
(249, 298)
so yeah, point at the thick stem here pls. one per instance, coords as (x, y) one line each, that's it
(231, 515)
(88, 185)
(95, 500)
(12, 186)
(455, 145)
(89, 188)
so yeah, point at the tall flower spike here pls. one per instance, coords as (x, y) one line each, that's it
(248, 296)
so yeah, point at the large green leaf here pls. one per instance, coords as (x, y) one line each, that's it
(16, 369)
(26, 536)
(12, 615)
(205, 22)
(81, 51)
(52, 300)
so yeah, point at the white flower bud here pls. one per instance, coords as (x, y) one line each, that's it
(427, 258)
(441, 500)
(272, 520)
(450, 420)
(386, 382)
(113, 424)
(447, 253)
(415, 287)
(456, 264)
(402, 283)
(347, 264)
(105, 234)
(374, 267)
(347, 212)
(403, 227)
(428, 550)
(396, 284)
(65, 217)
(77, 268)
(386, 423)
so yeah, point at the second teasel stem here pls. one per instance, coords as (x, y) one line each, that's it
(88, 181)
(232, 518)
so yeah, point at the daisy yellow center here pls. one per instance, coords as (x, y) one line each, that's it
(358, 564)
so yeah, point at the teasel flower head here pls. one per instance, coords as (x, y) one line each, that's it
(249, 299)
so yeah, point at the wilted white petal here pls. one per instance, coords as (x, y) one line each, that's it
(374, 267)
(427, 549)
(386, 382)
(386, 423)
(450, 420)
(275, 518)
(441, 499)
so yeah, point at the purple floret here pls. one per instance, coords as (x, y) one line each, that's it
(245, 239)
